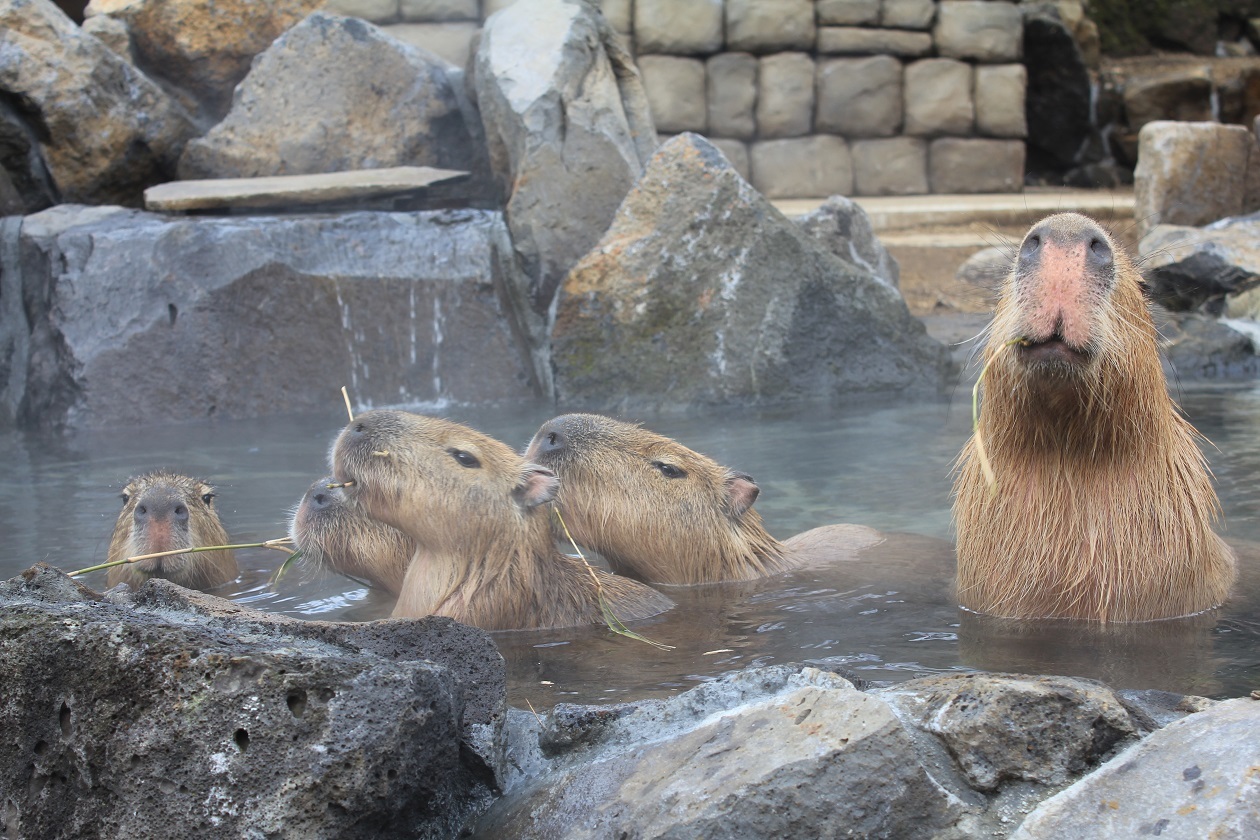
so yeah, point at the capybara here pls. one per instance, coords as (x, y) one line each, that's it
(162, 512)
(336, 535)
(1101, 505)
(480, 517)
(661, 512)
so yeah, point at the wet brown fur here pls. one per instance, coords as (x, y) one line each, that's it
(1104, 505)
(480, 517)
(334, 534)
(155, 530)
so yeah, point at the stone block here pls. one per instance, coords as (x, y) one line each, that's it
(678, 27)
(979, 30)
(892, 166)
(853, 40)
(736, 153)
(731, 79)
(907, 14)
(958, 165)
(423, 11)
(807, 167)
(675, 92)
(1189, 173)
(764, 26)
(451, 42)
(859, 97)
(111, 32)
(619, 13)
(938, 97)
(847, 12)
(1181, 93)
(1000, 91)
(785, 95)
(374, 11)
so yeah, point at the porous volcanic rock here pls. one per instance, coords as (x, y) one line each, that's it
(842, 227)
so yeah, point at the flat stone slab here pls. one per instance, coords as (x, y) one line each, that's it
(293, 190)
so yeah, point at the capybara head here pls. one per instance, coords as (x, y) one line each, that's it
(652, 507)
(334, 534)
(1097, 503)
(162, 512)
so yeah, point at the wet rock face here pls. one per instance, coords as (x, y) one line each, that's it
(169, 713)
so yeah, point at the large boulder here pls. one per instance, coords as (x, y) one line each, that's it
(1190, 268)
(568, 128)
(200, 49)
(842, 227)
(332, 94)
(136, 317)
(1189, 173)
(702, 292)
(104, 130)
(170, 713)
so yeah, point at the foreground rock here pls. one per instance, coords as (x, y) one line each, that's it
(169, 713)
(1165, 191)
(228, 317)
(709, 295)
(1189, 268)
(104, 130)
(842, 227)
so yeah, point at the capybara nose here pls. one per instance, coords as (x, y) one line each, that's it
(161, 508)
(1097, 248)
(320, 499)
(551, 438)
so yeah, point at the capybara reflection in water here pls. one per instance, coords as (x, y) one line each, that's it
(664, 513)
(480, 518)
(334, 534)
(1102, 505)
(162, 512)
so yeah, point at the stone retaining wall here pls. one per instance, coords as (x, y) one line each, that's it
(807, 97)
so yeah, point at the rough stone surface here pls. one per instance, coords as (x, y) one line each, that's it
(105, 131)
(894, 166)
(201, 49)
(938, 97)
(332, 94)
(980, 30)
(1189, 173)
(735, 303)
(438, 10)
(233, 318)
(26, 186)
(957, 165)
(986, 268)
(851, 40)
(763, 26)
(859, 97)
(678, 27)
(451, 40)
(1197, 346)
(908, 14)
(1058, 95)
(736, 152)
(1180, 93)
(1196, 777)
(169, 713)
(568, 127)
(804, 167)
(785, 95)
(675, 92)
(731, 82)
(999, 92)
(374, 11)
(111, 32)
(842, 227)
(1191, 268)
(847, 12)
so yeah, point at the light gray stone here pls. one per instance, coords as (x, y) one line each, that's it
(859, 97)
(957, 165)
(618, 13)
(451, 42)
(847, 12)
(732, 95)
(938, 97)
(842, 227)
(980, 30)
(1000, 90)
(986, 268)
(908, 14)
(431, 11)
(678, 27)
(1190, 268)
(893, 166)
(373, 11)
(1189, 173)
(675, 89)
(736, 153)
(785, 95)
(850, 40)
(804, 167)
(764, 26)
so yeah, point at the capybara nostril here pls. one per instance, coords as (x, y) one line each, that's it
(553, 440)
(320, 500)
(1100, 254)
(1030, 251)
(142, 513)
(181, 513)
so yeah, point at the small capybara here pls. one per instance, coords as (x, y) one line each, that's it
(1100, 504)
(480, 518)
(336, 535)
(162, 512)
(661, 512)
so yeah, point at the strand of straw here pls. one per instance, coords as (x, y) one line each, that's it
(278, 544)
(981, 454)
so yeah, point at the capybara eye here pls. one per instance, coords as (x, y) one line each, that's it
(360, 428)
(126, 497)
(669, 470)
(465, 459)
(551, 438)
(207, 497)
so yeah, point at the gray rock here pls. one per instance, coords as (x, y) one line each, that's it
(736, 153)
(568, 127)
(842, 227)
(1194, 778)
(847, 12)
(451, 41)
(802, 167)
(731, 82)
(105, 131)
(957, 165)
(399, 306)
(1191, 268)
(859, 97)
(26, 186)
(678, 27)
(168, 713)
(999, 93)
(1058, 95)
(439, 10)
(785, 95)
(980, 30)
(736, 303)
(675, 92)
(764, 26)
(908, 14)
(986, 268)
(892, 166)
(938, 97)
(1189, 173)
(1177, 93)
(113, 33)
(852, 40)
(373, 11)
(1196, 346)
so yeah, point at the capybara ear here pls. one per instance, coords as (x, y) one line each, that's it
(538, 485)
(741, 492)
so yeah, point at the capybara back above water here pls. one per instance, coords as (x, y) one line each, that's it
(162, 512)
(480, 518)
(1102, 505)
(333, 534)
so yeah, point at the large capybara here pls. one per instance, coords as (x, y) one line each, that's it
(480, 518)
(661, 512)
(334, 534)
(1100, 504)
(162, 512)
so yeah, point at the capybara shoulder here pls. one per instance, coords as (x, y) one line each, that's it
(165, 511)
(1099, 503)
(331, 533)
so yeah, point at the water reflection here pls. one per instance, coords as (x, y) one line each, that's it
(886, 616)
